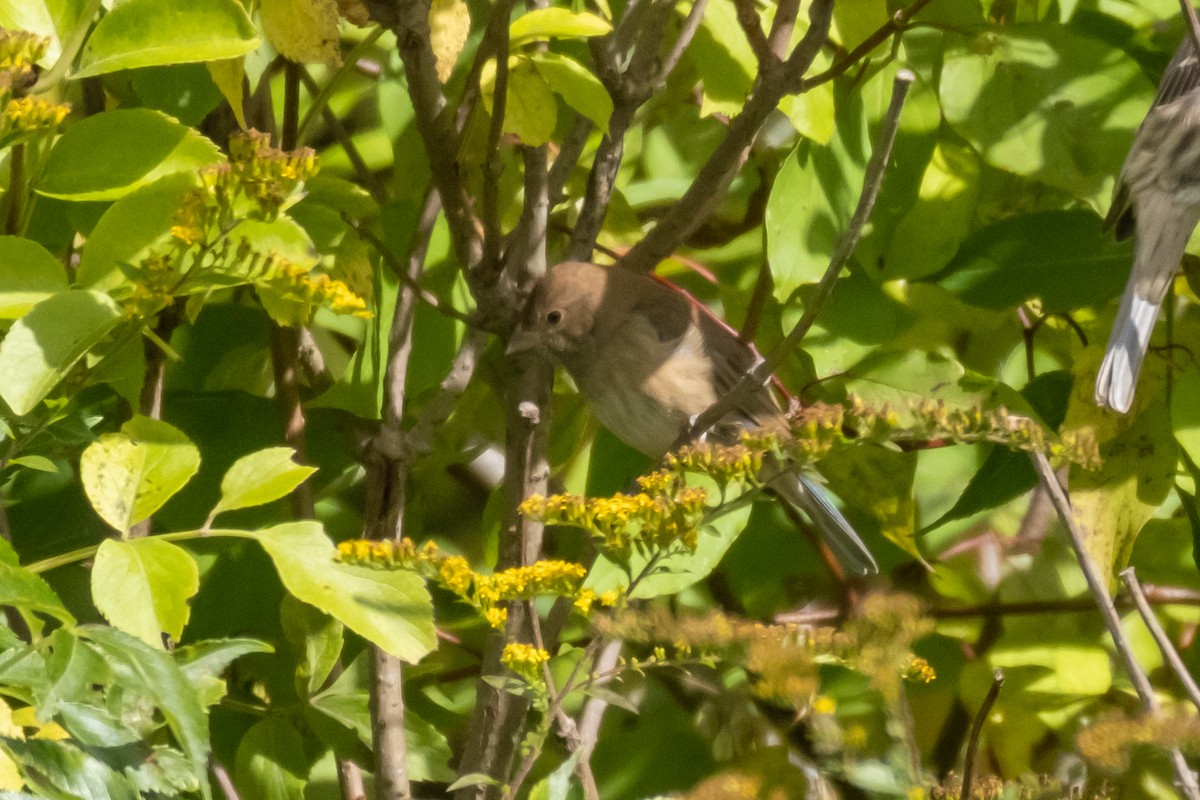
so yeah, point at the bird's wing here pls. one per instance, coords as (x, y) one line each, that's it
(1181, 77)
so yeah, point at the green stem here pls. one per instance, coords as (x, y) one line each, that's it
(84, 553)
(318, 102)
(70, 49)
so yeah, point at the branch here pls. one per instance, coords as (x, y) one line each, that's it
(1170, 654)
(985, 709)
(872, 181)
(723, 165)
(492, 166)
(409, 19)
(782, 26)
(383, 518)
(894, 25)
(1099, 591)
(640, 28)
(747, 17)
(1193, 25)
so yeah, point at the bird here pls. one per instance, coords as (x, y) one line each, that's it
(1157, 200)
(649, 360)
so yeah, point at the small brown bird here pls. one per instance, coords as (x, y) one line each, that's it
(1157, 199)
(650, 361)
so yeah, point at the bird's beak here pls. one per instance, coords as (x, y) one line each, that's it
(522, 341)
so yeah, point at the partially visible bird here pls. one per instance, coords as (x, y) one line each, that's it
(649, 361)
(1157, 199)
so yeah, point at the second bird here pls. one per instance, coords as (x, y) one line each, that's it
(1157, 199)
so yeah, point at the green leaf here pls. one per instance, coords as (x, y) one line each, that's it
(39, 463)
(73, 670)
(42, 346)
(581, 90)
(129, 229)
(1044, 101)
(678, 568)
(1061, 257)
(271, 764)
(557, 785)
(390, 608)
(726, 63)
(142, 587)
(59, 769)
(26, 591)
(813, 199)
(154, 673)
(530, 112)
(52, 19)
(879, 481)
(316, 638)
(127, 476)
(555, 23)
(147, 33)
(106, 156)
(1137, 471)
(204, 662)
(261, 478)
(28, 275)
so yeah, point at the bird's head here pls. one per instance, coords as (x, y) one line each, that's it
(560, 315)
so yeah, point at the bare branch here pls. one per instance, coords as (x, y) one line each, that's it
(707, 190)
(687, 32)
(492, 166)
(1099, 590)
(872, 181)
(894, 25)
(747, 17)
(409, 19)
(786, 12)
(569, 152)
(981, 716)
(1169, 653)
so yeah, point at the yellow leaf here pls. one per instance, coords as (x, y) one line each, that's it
(449, 25)
(1139, 458)
(303, 31)
(354, 12)
(229, 75)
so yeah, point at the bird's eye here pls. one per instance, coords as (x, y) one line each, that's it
(554, 317)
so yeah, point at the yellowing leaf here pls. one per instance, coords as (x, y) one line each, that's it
(449, 26)
(127, 476)
(229, 75)
(1139, 457)
(530, 110)
(555, 23)
(142, 587)
(303, 31)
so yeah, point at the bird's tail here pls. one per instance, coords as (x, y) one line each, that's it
(1118, 376)
(813, 499)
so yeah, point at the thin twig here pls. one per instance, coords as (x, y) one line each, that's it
(872, 181)
(1169, 653)
(687, 32)
(221, 776)
(713, 179)
(747, 17)
(1099, 590)
(402, 274)
(894, 25)
(981, 716)
(493, 165)
(365, 176)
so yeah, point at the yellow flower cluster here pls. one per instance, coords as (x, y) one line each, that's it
(884, 628)
(22, 116)
(313, 289)
(725, 464)
(525, 660)
(31, 114)
(488, 593)
(265, 174)
(783, 660)
(625, 522)
(19, 53)
(1108, 742)
(152, 287)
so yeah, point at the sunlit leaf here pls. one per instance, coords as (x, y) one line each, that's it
(261, 478)
(106, 156)
(129, 475)
(143, 33)
(555, 23)
(303, 31)
(28, 275)
(142, 586)
(43, 345)
(449, 27)
(271, 764)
